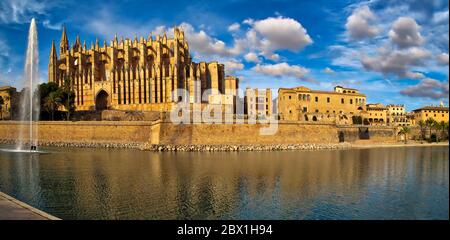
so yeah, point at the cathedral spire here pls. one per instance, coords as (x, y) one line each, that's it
(53, 54)
(97, 46)
(115, 41)
(77, 44)
(64, 43)
(150, 37)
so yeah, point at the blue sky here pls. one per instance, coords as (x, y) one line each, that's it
(394, 51)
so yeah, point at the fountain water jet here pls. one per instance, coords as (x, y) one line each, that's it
(30, 101)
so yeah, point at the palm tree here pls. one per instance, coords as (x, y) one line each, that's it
(1, 107)
(11, 98)
(422, 125)
(431, 123)
(446, 130)
(404, 131)
(443, 126)
(8, 99)
(52, 102)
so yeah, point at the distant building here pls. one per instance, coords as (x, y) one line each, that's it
(304, 104)
(10, 96)
(258, 102)
(438, 113)
(375, 114)
(396, 115)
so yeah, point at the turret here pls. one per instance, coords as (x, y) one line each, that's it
(52, 63)
(115, 41)
(150, 37)
(77, 44)
(97, 46)
(64, 43)
(53, 54)
(164, 40)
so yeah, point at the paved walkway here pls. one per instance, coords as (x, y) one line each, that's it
(13, 209)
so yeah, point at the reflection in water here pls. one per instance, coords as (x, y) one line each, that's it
(385, 183)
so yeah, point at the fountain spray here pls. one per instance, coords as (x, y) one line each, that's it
(30, 98)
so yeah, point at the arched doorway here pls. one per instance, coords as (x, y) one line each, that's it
(101, 100)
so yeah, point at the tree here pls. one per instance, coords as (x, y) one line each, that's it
(443, 126)
(11, 98)
(405, 131)
(431, 123)
(1, 107)
(68, 97)
(52, 102)
(45, 89)
(446, 130)
(422, 125)
(8, 99)
(54, 96)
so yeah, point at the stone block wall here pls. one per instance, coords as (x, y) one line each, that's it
(157, 132)
(83, 131)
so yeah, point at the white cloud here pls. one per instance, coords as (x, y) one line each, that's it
(203, 44)
(274, 57)
(405, 33)
(234, 27)
(282, 70)
(428, 87)
(248, 21)
(21, 11)
(396, 62)
(233, 66)
(328, 70)
(8, 63)
(359, 24)
(346, 56)
(282, 33)
(50, 25)
(440, 17)
(443, 59)
(252, 57)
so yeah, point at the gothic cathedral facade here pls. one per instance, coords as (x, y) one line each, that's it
(136, 74)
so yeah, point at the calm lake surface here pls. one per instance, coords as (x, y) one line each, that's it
(379, 183)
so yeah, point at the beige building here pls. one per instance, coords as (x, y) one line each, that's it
(438, 113)
(8, 94)
(258, 102)
(304, 104)
(135, 74)
(375, 114)
(396, 115)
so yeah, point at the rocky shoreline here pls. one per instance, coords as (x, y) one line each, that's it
(219, 148)
(241, 148)
(192, 147)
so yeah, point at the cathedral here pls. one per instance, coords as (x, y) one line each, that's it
(137, 74)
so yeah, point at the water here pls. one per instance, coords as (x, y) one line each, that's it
(29, 101)
(384, 183)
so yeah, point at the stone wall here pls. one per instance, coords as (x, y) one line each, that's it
(288, 133)
(370, 133)
(83, 131)
(158, 132)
